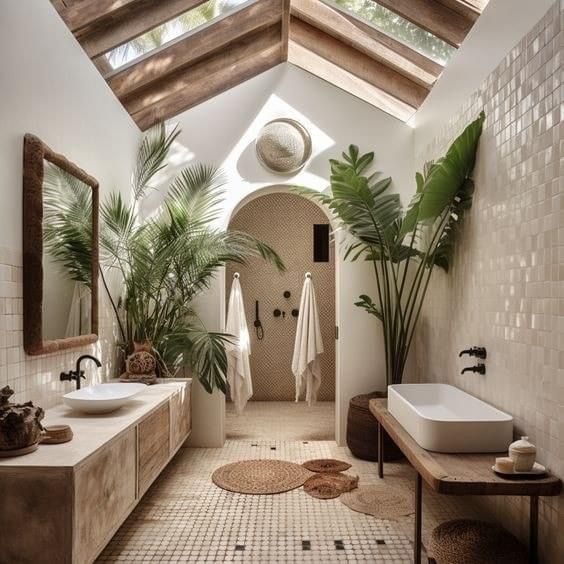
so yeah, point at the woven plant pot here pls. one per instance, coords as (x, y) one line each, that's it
(362, 431)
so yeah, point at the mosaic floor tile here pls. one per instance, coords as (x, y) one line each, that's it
(184, 517)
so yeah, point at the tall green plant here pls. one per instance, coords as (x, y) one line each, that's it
(404, 247)
(165, 262)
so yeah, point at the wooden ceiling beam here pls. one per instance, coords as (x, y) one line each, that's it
(194, 46)
(91, 13)
(434, 17)
(467, 9)
(349, 83)
(248, 57)
(357, 63)
(286, 8)
(121, 30)
(368, 40)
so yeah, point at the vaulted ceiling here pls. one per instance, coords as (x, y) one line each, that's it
(163, 57)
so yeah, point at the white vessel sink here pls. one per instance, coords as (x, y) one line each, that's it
(443, 418)
(102, 398)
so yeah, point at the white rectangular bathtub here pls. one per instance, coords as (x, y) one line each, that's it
(443, 418)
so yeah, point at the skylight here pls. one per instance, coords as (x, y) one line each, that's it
(399, 28)
(171, 30)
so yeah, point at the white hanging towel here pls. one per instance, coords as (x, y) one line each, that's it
(238, 352)
(308, 345)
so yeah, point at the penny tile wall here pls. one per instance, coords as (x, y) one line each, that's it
(36, 378)
(506, 289)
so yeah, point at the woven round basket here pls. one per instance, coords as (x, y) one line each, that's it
(465, 541)
(329, 485)
(326, 465)
(260, 476)
(362, 431)
(283, 146)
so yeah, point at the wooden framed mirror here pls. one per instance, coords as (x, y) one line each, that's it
(60, 251)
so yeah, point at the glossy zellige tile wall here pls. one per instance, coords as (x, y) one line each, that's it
(506, 289)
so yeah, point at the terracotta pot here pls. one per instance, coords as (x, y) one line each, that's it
(362, 431)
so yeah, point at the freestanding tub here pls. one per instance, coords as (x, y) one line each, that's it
(443, 418)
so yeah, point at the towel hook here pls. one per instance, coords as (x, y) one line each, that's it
(236, 275)
(308, 274)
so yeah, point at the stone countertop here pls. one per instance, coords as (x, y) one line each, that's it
(91, 432)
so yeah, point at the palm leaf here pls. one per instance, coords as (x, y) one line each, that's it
(151, 157)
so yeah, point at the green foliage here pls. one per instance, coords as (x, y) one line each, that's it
(166, 261)
(403, 247)
(67, 222)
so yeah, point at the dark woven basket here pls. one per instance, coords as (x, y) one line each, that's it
(465, 541)
(362, 431)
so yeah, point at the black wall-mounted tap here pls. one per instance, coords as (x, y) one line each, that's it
(478, 352)
(480, 368)
(78, 373)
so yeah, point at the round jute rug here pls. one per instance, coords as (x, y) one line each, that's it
(260, 476)
(384, 502)
(329, 485)
(326, 465)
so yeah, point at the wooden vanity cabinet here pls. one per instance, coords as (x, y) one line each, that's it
(63, 503)
(153, 436)
(105, 494)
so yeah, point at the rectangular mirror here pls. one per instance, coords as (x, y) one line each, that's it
(60, 243)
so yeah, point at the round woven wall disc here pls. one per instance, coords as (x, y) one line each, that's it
(329, 485)
(283, 146)
(260, 476)
(384, 502)
(326, 465)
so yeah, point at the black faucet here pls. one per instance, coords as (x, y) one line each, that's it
(78, 373)
(480, 368)
(478, 352)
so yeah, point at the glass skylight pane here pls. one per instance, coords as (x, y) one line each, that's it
(170, 30)
(399, 28)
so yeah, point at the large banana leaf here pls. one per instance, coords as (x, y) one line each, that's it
(445, 179)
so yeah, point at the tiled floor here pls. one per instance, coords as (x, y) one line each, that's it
(185, 518)
(282, 421)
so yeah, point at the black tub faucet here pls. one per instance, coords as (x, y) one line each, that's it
(480, 368)
(478, 352)
(78, 373)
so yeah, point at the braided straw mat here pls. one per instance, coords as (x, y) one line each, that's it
(260, 476)
(326, 465)
(384, 502)
(329, 485)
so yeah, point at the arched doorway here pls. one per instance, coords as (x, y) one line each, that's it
(285, 221)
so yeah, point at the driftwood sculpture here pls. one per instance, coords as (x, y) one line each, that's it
(20, 425)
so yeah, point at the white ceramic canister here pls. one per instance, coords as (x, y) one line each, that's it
(523, 454)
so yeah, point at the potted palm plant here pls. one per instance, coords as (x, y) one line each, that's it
(164, 262)
(404, 247)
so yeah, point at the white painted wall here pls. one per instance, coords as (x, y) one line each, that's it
(499, 28)
(222, 131)
(49, 87)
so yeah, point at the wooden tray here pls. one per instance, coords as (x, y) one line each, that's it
(18, 451)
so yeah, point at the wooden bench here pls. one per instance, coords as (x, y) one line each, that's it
(459, 474)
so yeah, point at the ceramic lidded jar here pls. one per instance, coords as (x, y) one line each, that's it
(523, 454)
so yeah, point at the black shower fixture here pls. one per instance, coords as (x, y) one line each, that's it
(287, 294)
(295, 312)
(258, 324)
